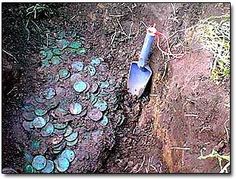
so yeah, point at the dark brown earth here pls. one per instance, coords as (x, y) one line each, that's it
(182, 112)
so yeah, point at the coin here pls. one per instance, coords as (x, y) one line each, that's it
(29, 116)
(95, 114)
(47, 130)
(29, 169)
(75, 45)
(49, 55)
(58, 148)
(62, 164)
(77, 66)
(56, 60)
(64, 73)
(35, 144)
(91, 69)
(49, 167)
(62, 44)
(40, 112)
(39, 122)
(104, 121)
(56, 51)
(101, 105)
(27, 125)
(39, 162)
(80, 86)
(75, 108)
(72, 143)
(69, 130)
(68, 154)
(94, 88)
(95, 61)
(72, 136)
(49, 93)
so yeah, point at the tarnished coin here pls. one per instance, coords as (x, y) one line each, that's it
(49, 93)
(104, 84)
(56, 60)
(59, 147)
(75, 108)
(40, 111)
(60, 125)
(64, 73)
(39, 122)
(72, 143)
(95, 114)
(61, 34)
(59, 131)
(39, 162)
(93, 99)
(29, 169)
(72, 136)
(48, 54)
(43, 54)
(35, 144)
(49, 167)
(60, 112)
(101, 105)
(51, 104)
(77, 66)
(69, 131)
(68, 154)
(27, 125)
(56, 78)
(75, 77)
(91, 70)
(29, 116)
(62, 44)
(28, 157)
(28, 107)
(104, 121)
(47, 130)
(56, 51)
(94, 88)
(75, 45)
(39, 99)
(95, 61)
(56, 140)
(62, 164)
(83, 113)
(80, 86)
(81, 51)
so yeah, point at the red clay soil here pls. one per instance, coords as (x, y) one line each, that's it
(192, 114)
(187, 111)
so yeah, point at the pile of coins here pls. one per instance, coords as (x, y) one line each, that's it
(78, 90)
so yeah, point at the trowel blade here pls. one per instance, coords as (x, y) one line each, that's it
(138, 78)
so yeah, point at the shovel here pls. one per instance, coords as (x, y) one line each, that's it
(140, 72)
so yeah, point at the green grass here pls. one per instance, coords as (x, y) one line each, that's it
(214, 35)
(37, 9)
(220, 158)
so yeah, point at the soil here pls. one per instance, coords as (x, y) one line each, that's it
(182, 111)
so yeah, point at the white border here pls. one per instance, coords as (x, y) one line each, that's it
(141, 176)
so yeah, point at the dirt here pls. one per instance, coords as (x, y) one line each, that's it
(182, 112)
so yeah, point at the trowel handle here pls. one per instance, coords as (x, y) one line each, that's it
(147, 47)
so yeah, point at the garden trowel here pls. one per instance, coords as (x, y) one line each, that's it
(140, 72)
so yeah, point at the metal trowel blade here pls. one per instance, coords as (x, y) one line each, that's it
(138, 78)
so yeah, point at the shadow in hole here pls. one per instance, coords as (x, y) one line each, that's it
(147, 90)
